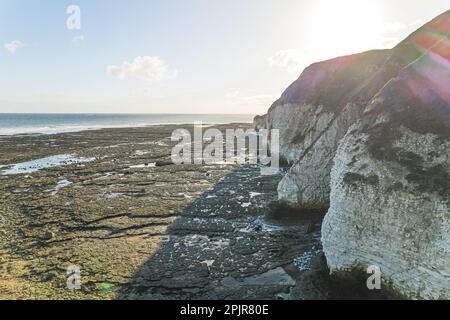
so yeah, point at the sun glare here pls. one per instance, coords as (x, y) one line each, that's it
(345, 27)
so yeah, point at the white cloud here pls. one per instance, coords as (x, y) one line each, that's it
(233, 93)
(146, 68)
(385, 35)
(295, 60)
(77, 40)
(13, 46)
(393, 32)
(417, 23)
(288, 59)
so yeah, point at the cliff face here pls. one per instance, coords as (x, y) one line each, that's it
(313, 114)
(369, 136)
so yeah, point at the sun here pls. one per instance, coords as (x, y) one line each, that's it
(344, 27)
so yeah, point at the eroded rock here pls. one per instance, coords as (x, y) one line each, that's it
(368, 135)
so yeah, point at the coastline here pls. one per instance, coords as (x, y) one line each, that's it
(139, 227)
(107, 216)
(121, 121)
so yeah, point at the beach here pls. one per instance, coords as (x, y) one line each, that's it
(105, 214)
(108, 220)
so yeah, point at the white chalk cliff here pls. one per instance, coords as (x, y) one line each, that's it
(368, 136)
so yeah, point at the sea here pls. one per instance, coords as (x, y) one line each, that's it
(44, 123)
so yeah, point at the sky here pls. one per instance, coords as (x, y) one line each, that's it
(182, 56)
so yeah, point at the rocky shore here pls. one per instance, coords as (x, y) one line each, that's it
(138, 227)
(107, 215)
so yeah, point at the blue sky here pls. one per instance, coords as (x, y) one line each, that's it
(192, 56)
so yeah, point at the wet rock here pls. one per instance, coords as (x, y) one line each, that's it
(223, 250)
(273, 277)
(310, 228)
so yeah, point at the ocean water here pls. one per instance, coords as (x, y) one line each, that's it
(43, 163)
(20, 123)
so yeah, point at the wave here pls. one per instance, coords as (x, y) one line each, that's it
(64, 128)
(59, 129)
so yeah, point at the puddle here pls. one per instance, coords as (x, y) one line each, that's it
(184, 195)
(145, 165)
(61, 184)
(165, 238)
(290, 223)
(259, 224)
(254, 194)
(44, 163)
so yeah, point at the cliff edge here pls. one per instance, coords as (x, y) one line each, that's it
(368, 136)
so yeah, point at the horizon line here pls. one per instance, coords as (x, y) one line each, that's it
(129, 113)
